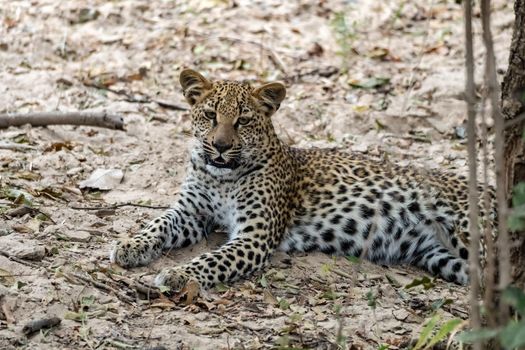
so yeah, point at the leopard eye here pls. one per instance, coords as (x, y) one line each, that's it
(211, 115)
(243, 121)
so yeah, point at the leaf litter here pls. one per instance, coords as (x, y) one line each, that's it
(380, 78)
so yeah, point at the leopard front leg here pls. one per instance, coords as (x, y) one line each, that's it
(181, 226)
(237, 258)
(257, 231)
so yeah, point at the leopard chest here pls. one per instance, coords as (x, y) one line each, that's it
(224, 208)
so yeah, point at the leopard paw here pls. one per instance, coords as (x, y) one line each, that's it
(175, 278)
(134, 251)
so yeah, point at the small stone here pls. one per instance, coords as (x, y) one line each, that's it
(30, 253)
(74, 171)
(78, 236)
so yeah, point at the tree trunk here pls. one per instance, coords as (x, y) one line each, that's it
(514, 113)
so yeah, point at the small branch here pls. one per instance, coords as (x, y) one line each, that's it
(100, 119)
(18, 260)
(116, 206)
(36, 325)
(503, 240)
(128, 97)
(470, 94)
(342, 273)
(151, 292)
(99, 285)
(15, 146)
(25, 209)
(489, 273)
(324, 72)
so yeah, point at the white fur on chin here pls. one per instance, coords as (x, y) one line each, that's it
(217, 171)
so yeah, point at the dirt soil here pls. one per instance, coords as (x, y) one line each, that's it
(383, 78)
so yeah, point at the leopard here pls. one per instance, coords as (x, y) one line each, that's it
(268, 196)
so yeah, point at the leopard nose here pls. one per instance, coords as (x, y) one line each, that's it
(221, 146)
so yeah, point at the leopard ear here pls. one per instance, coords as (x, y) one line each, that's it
(269, 96)
(194, 85)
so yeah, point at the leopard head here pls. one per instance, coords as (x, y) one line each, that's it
(231, 120)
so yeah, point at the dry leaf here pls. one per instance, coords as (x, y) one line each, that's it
(191, 290)
(269, 298)
(103, 179)
(6, 278)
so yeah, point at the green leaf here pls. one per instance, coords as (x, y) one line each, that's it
(372, 300)
(371, 83)
(438, 304)
(516, 221)
(518, 194)
(284, 304)
(75, 316)
(426, 332)
(221, 287)
(87, 300)
(353, 259)
(263, 281)
(513, 335)
(472, 336)
(164, 289)
(515, 297)
(443, 332)
(329, 294)
(424, 281)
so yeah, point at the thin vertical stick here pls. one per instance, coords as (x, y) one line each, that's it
(503, 242)
(489, 272)
(473, 183)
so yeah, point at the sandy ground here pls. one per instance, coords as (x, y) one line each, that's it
(384, 78)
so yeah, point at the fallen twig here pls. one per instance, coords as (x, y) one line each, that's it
(100, 285)
(151, 292)
(324, 72)
(15, 146)
(36, 325)
(134, 99)
(18, 260)
(116, 206)
(100, 119)
(342, 273)
(20, 211)
(25, 209)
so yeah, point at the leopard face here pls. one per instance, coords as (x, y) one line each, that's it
(230, 120)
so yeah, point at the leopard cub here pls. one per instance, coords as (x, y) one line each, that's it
(270, 196)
